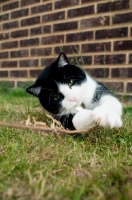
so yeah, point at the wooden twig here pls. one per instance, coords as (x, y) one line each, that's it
(47, 130)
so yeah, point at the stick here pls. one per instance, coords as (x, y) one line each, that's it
(56, 130)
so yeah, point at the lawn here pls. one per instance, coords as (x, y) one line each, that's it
(97, 166)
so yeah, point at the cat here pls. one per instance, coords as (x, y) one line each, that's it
(71, 96)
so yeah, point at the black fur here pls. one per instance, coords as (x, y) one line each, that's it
(66, 121)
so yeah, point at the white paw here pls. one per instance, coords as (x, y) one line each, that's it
(83, 119)
(106, 117)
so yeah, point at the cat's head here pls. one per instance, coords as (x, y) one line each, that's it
(59, 86)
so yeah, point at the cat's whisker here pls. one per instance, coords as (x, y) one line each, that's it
(46, 89)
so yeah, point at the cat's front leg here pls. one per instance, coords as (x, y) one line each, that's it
(83, 119)
(108, 113)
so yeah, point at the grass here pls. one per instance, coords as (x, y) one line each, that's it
(38, 167)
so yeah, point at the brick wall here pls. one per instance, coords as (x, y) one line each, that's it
(95, 34)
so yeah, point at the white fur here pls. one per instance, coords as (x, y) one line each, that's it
(68, 104)
(83, 119)
(107, 112)
(83, 94)
(79, 108)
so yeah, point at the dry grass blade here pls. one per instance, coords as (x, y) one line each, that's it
(39, 123)
(28, 121)
(55, 123)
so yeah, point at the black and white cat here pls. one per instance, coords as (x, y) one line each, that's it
(74, 98)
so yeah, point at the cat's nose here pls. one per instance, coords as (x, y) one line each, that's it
(73, 99)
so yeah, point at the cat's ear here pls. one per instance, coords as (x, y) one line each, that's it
(34, 90)
(62, 60)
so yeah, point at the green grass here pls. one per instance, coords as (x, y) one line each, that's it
(38, 167)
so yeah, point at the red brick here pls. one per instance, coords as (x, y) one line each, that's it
(112, 33)
(41, 51)
(20, 13)
(34, 73)
(129, 87)
(115, 86)
(4, 17)
(9, 64)
(30, 21)
(80, 11)
(122, 73)
(98, 72)
(28, 63)
(19, 53)
(3, 74)
(113, 6)
(10, 6)
(65, 26)
(28, 2)
(81, 60)
(41, 8)
(20, 33)
(3, 1)
(98, 21)
(3, 55)
(69, 49)
(40, 30)
(9, 84)
(8, 45)
(54, 16)
(110, 59)
(53, 39)
(63, 3)
(123, 45)
(18, 74)
(83, 36)
(47, 29)
(29, 42)
(47, 61)
(130, 58)
(10, 25)
(4, 36)
(122, 18)
(96, 47)
(89, 1)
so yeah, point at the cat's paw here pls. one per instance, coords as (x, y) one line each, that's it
(106, 117)
(83, 119)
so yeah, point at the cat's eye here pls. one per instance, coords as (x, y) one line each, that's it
(70, 82)
(56, 97)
